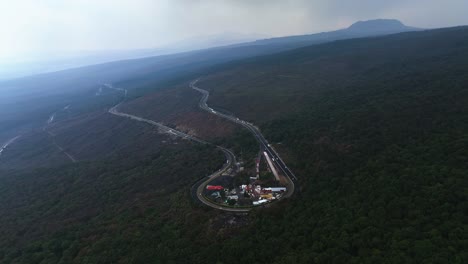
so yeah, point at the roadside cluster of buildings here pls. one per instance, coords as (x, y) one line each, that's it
(262, 195)
(255, 193)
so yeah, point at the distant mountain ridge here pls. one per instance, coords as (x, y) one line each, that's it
(131, 62)
(380, 26)
(56, 61)
(212, 41)
(367, 28)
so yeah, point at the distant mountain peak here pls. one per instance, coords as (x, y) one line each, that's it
(379, 25)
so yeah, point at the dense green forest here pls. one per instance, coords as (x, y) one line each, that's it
(375, 129)
(380, 141)
(119, 209)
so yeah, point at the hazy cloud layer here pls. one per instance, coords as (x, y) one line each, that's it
(48, 25)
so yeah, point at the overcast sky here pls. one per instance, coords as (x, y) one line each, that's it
(37, 26)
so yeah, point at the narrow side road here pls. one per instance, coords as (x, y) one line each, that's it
(52, 136)
(9, 142)
(49, 121)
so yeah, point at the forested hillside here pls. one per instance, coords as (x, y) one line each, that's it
(376, 130)
(123, 209)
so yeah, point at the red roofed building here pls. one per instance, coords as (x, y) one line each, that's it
(214, 187)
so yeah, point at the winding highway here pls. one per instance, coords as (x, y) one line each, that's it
(256, 132)
(198, 188)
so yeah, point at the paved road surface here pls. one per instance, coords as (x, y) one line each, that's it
(256, 132)
(198, 187)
